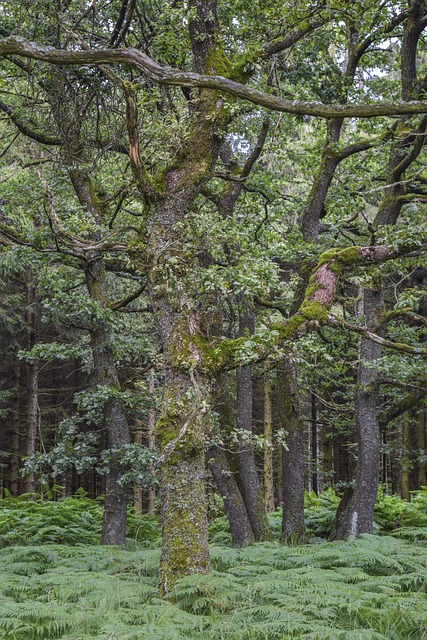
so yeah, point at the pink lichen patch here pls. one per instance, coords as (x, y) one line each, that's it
(326, 281)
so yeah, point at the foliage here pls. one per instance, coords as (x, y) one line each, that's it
(371, 588)
(73, 521)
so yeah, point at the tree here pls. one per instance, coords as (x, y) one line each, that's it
(187, 92)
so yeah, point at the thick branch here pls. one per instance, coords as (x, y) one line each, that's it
(175, 77)
(314, 311)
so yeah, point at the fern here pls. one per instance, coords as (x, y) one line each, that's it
(370, 588)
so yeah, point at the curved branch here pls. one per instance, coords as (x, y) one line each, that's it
(175, 77)
(22, 127)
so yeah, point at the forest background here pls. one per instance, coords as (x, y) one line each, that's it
(213, 261)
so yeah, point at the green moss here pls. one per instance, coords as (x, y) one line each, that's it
(185, 544)
(217, 62)
(327, 256)
(337, 259)
(351, 255)
(313, 310)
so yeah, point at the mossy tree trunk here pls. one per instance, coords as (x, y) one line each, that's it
(184, 426)
(182, 431)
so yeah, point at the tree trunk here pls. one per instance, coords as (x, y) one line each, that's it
(421, 445)
(115, 419)
(314, 445)
(293, 528)
(182, 432)
(116, 494)
(268, 448)
(358, 517)
(405, 459)
(32, 419)
(137, 489)
(240, 527)
(151, 423)
(16, 424)
(251, 488)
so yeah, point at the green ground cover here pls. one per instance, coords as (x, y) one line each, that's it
(367, 589)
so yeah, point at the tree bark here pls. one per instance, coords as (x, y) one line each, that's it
(293, 528)
(268, 448)
(32, 385)
(240, 527)
(32, 419)
(15, 440)
(359, 513)
(421, 445)
(182, 431)
(314, 446)
(405, 459)
(115, 419)
(250, 485)
(151, 424)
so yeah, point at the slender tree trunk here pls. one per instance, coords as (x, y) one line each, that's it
(240, 527)
(251, 488)
(358, 517)
(16, 425)
(385, 479)
(405, 459)
(32, 419)
(116, 494)
(421, 445)
(137, 489)
(293, 528)
(115, 419)
(268, 447)
(280, 476)
(151, 423)
(314, 445)
(328, 472)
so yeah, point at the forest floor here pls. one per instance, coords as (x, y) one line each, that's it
(371, 588)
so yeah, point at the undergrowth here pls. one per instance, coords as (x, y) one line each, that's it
(78, 520)
(75, 520)
(373, 588)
